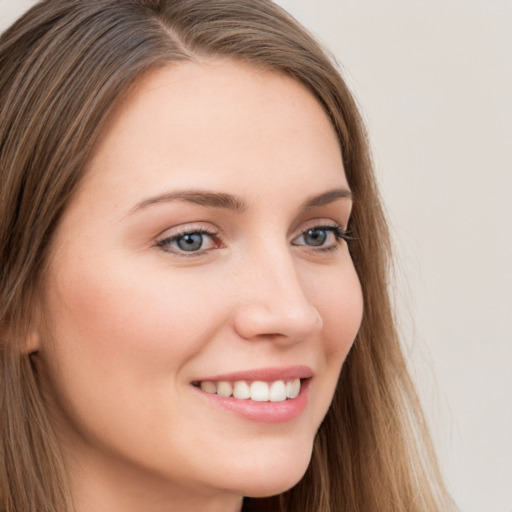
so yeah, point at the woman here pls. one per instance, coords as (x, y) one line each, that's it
(194, 268)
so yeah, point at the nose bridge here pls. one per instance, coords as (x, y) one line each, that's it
(273, 301)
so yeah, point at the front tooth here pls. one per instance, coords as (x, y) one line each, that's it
(209, 387)
(277, 391)
(259, 391)
(241, 390)
(224, 388)
(293, 388)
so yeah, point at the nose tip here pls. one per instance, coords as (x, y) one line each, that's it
(280, 311)
(285, 322)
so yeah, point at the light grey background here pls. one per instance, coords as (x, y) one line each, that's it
(434, 81)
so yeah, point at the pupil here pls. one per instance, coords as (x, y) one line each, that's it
(315, 237)
(190, 242)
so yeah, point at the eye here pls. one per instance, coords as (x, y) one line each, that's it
(321, 237)
(315, 237)
(193, 241)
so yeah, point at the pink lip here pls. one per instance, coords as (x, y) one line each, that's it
(263, 374)
(262, 412)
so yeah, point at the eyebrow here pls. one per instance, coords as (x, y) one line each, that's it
(234, 203)
(200, 197)
(327, 197)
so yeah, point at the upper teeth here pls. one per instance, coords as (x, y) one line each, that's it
(258, 390)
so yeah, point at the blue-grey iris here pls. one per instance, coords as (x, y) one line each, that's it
(190, 242)
(315, 237)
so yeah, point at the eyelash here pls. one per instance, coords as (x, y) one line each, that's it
(165, 243)
(339, 233)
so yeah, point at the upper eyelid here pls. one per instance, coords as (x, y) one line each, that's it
(162, 243)
(180, 234)
(192, 227)
(208, 228)
(184, 229)
(335, 230)
(316, 223)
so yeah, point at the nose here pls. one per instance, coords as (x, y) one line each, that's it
(273, 303)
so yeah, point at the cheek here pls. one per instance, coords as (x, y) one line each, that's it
(337, 295)
(120, 345)
(340, 304)
(116, 317)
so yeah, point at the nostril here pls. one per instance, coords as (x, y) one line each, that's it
(288, 323)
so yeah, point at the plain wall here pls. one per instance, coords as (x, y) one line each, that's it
(434, 81)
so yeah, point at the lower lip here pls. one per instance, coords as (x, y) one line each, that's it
(263, 412)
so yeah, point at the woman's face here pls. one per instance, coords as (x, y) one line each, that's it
(202, 255)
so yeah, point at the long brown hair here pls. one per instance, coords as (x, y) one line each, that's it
(63, 68)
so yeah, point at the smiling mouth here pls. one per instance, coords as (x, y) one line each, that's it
(256, 391)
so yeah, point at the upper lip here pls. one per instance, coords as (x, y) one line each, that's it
(264, 374)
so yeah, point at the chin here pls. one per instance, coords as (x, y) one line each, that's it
(272, 477)
(271, 487)
(267, 489)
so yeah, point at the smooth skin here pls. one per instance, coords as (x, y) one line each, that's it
(148, 292)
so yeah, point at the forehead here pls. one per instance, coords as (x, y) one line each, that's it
(216, 123)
